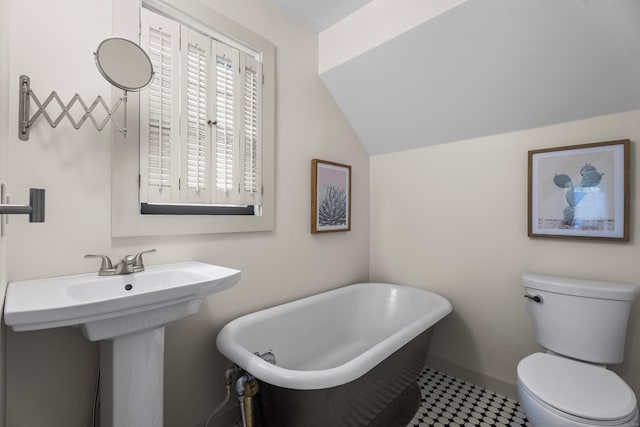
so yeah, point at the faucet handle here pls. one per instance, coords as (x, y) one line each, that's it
(137, 260)
(106, 267)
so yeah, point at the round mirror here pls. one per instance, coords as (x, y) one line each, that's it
(124, 64)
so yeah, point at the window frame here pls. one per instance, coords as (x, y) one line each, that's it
(127, 219)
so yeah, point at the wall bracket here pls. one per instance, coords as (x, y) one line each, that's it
(25, 120)
(35, 208)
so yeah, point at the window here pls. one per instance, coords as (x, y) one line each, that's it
(200, 121)
(182, 217)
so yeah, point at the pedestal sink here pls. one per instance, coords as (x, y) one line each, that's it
(127, 314)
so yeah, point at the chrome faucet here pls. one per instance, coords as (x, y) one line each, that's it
(127, 265)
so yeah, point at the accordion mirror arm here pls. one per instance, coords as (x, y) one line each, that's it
(120, 61)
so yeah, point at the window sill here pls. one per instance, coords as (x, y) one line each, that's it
(183, 209)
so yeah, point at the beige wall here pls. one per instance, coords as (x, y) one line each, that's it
(453, 218)
(51, 374)
(4, 134)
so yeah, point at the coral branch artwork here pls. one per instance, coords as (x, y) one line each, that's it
(580, 191)
(330, 196)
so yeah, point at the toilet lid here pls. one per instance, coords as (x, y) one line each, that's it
(577, 388)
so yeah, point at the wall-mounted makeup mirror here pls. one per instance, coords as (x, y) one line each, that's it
(120, 61)
(124, 64)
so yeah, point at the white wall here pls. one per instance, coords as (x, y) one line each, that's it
(453, 218)
(51, 374)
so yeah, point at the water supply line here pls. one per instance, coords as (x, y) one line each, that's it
(96, 402)
(246, 387)
(228, 379)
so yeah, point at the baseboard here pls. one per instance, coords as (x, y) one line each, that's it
(482, 380)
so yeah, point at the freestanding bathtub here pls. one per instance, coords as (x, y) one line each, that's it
(346, 357)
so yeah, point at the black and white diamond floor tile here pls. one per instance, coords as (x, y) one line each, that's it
(448, 401)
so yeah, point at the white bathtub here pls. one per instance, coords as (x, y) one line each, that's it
(331, 339)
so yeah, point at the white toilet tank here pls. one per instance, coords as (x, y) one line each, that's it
(582, 319)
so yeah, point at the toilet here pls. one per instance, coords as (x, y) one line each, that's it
(582, 324)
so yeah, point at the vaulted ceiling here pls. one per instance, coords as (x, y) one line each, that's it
(491, 66)
(318, 15)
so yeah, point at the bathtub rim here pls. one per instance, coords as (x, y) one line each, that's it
(332, 377)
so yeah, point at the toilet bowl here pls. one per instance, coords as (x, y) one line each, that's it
(559, 392)
(583, 325)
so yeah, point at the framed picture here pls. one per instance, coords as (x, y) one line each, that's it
(580, 191)
(330, 197)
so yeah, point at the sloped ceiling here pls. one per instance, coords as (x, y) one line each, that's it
(319, 14)
(492, 66)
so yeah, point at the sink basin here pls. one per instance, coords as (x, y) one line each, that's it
(105, 307)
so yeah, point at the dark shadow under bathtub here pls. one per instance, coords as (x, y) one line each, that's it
(386, 396)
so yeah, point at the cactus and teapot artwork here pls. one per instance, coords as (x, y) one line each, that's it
(591, 178)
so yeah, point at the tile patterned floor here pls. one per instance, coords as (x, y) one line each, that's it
(448, 401)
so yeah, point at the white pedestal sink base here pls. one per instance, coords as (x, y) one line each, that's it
(131, 380)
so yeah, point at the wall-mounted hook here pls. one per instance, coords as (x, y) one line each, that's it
(35, 208)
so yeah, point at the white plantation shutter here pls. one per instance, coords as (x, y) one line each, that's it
(159, 119)
(251, 71)
(226, 140)
(196, 135)
(200, 119)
